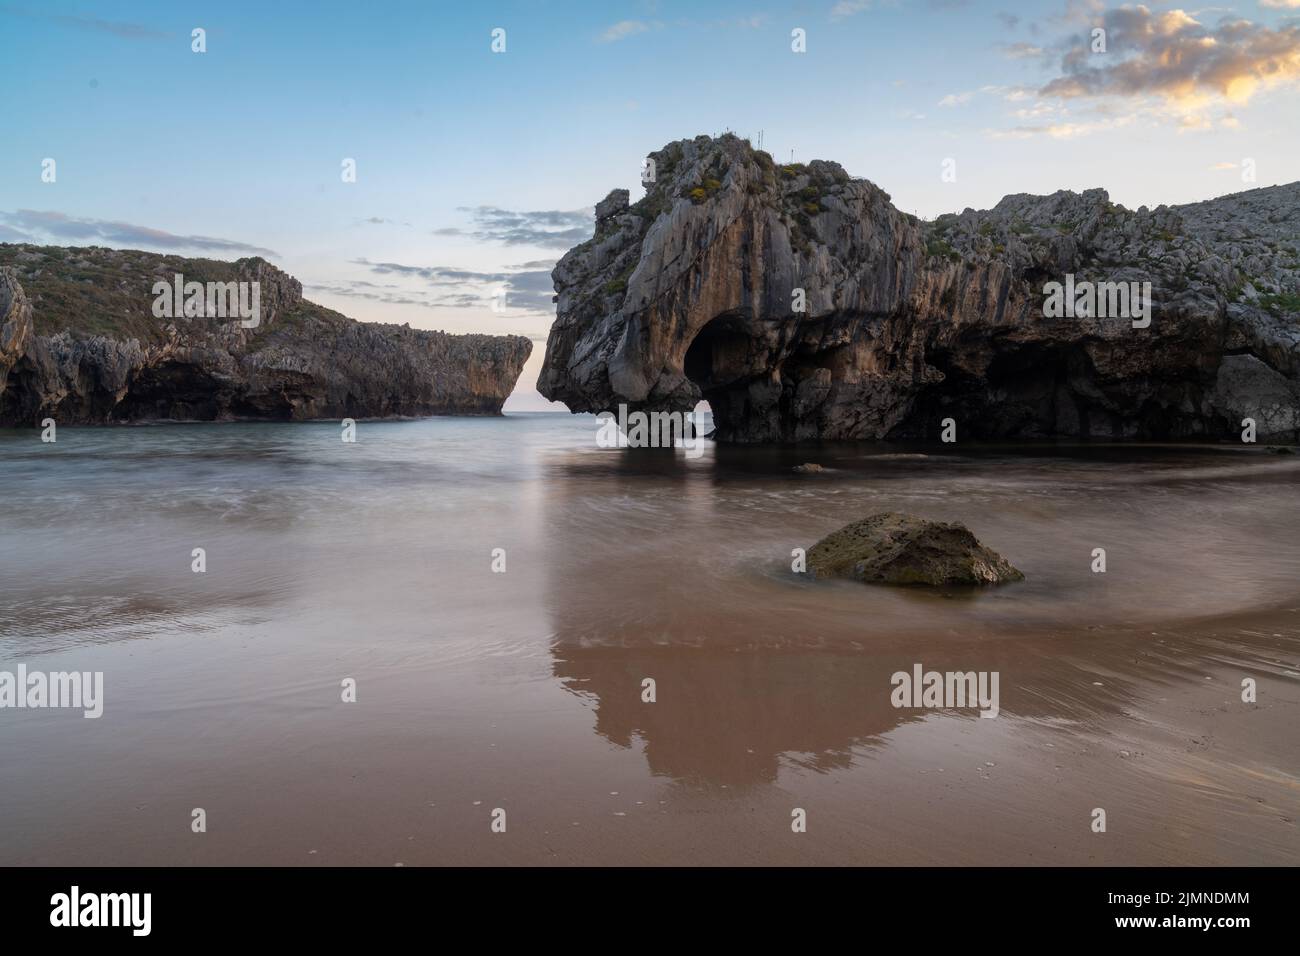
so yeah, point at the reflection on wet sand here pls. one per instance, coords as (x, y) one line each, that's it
(730, 719)
(747, 693)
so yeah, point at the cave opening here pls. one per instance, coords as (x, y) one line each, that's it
(168, 390)
(720, 361)
(1028, 391)
(19, 395)
(719, 353)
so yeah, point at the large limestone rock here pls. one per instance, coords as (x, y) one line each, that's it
(894, 548)
(79, 344)
(694, 292)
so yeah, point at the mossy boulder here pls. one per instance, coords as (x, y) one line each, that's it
(894, 548)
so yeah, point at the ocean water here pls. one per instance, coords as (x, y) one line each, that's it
(476, 689)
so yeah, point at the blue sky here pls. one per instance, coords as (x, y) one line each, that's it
(475, 170)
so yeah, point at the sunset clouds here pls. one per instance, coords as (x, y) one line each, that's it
(1175, 56)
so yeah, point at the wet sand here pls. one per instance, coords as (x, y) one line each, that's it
(522, 690)
(1187, 773)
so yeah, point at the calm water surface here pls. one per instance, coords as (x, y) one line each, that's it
(374, 561)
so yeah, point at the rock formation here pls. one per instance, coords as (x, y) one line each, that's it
(893, 548)
(79, 343)
(802, 305)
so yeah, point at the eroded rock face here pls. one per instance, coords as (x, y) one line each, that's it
(695, 292)
(894, 548)
(15, 323)
(82, 346)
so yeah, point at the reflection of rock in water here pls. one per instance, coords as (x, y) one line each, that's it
(655, 569)
(732, 697)
(728, 717)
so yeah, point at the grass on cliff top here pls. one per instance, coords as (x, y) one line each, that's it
(91, 290)
(1281, 303)
(305, 318)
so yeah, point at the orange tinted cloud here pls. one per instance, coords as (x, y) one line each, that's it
(1173, 55)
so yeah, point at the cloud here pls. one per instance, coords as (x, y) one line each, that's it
(47, 226)
(1173, 56)
(622, 30)
(1280, 4)
(755, 22)
(1021, 50)
(527, 287)
(370, 292)
(847, 8)
(1081, 11)
(548, 229)
(1193, 121)
(117, 28)
(1009, 93)
(1063, 130)
(629, 28)
(1037, 111)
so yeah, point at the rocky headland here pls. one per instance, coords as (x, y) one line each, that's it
(803, 305)
(80, 343)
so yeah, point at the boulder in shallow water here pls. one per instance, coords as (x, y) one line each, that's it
(894, 548)
(809, 468)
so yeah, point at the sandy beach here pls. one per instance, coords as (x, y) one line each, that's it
(522, 691)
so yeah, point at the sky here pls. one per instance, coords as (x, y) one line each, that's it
(475, 168)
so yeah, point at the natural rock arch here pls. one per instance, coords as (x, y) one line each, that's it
(689, 293)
